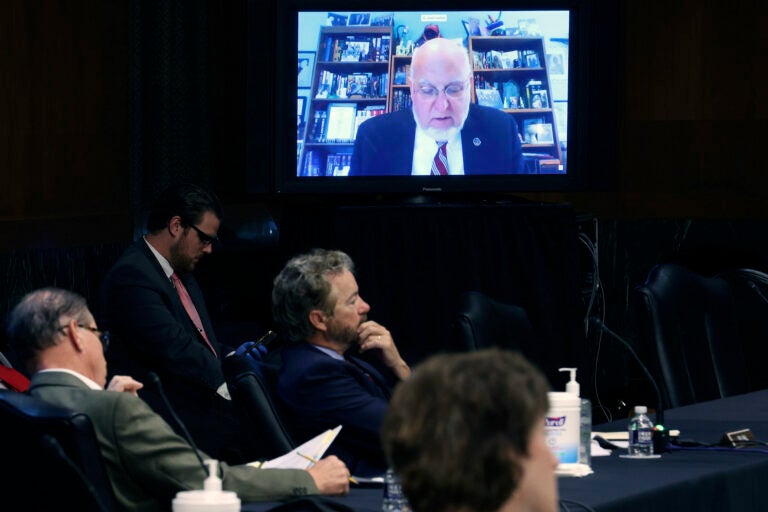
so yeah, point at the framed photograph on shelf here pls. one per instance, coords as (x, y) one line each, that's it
(359, 19)
(306, 68)
(301, 114)
(340, 124)
(336, 19)
(557, 62)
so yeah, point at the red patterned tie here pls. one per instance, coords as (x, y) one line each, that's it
(186, 300)
(440, 163)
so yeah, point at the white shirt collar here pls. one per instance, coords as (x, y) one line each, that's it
(424, 149)
(88, 382)
(160, 259)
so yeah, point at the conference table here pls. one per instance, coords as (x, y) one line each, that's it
(686, 478)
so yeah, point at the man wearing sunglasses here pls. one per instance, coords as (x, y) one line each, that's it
(159, 321)
(444, 133)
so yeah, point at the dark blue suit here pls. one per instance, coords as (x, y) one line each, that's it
(153, 332)
(319, 392)
(489, 142)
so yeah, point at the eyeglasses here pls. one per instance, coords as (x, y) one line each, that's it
(102, 335)
(453, 91)
(205, 238)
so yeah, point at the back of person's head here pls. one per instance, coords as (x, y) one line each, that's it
(301, 286)
(456, 429)
(36, 320)
(187, 200)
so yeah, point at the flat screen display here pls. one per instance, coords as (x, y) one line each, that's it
(365, 117)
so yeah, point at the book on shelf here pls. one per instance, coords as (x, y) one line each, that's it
(358, 85)
(367, 113)
(337, 164)
(401, 99)
(311, 163)
(355, 51)
(511, 94)
(489, 98)
(536, 95)
(510, 59)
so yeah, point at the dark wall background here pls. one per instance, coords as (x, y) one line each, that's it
(102, 103)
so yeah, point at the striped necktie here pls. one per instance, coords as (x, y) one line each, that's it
(440, 163)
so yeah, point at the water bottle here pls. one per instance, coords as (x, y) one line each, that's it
(640, 433)
(394, 499)
(585, 446)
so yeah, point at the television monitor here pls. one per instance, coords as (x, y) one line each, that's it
(531, 61)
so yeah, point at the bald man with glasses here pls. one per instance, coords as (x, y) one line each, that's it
(159, 321)
(444, 133)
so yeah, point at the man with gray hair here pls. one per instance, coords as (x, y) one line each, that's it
(328, 376)
(444, 133)
(56, 337)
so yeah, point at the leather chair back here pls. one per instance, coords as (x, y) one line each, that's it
(51, 457)
(688, 325)
(485, 322)
(251, 380)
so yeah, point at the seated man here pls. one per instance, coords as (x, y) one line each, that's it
(322, 383)
(443, 133)
(54, 333)
(466, 432)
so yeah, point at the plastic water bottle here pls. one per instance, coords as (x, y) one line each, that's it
(640, 433)
(585, 431)
(394, 499)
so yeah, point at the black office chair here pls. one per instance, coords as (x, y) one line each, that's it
(51, 457)
(251, 379)
(689, 328)
(485, 322)
(750, 292)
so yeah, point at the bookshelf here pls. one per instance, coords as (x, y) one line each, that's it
(399, 91)
(511, 73)
(350, 83)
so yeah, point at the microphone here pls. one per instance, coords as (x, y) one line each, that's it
(757, 290)
(52, 444)
(262, 344)
(159, 385)
(659, 444)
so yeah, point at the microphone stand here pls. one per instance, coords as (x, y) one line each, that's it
(156, 381)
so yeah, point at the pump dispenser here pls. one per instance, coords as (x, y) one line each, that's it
(571, 386)
(211, 498)
(585, 418)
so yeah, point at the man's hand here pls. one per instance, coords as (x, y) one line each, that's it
(331, 476)
(124, 383)
(374, 335)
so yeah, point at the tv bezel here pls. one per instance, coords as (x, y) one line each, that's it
(582, 112)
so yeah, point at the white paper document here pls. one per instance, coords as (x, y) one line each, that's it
(299, 458)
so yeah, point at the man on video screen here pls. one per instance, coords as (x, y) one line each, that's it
(444, 134)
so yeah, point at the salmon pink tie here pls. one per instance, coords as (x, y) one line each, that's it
(186, 300)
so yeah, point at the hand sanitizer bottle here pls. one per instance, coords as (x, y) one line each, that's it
(585, 418)
(211, 498)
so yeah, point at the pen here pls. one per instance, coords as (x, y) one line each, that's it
(312, 459)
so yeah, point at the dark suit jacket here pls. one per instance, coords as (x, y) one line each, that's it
(146, 461)
(489, 142)
(153, 332)
(319, 392)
